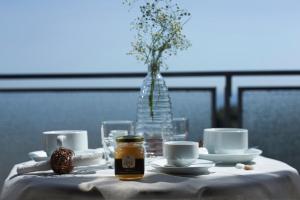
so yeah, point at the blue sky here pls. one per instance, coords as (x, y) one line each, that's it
(94, 35)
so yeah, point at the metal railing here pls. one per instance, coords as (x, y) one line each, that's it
(228, 75)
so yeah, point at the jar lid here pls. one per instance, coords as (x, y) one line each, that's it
(130, 138)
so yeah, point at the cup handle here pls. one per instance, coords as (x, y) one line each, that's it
(60, 140)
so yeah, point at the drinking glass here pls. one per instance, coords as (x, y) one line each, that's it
(180, 129)
(110, 130)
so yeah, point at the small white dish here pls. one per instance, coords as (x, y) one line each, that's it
(38, 155)
(247, 156)
(42, 155)
(199, 167)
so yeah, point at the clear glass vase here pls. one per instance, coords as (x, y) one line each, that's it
(154, 113)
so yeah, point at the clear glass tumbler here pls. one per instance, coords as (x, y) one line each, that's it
(110, 130)
(180, 129)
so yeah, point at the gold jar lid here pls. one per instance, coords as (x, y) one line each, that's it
(130, 138)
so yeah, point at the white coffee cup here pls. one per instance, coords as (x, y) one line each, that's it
(225, 140)
(77, 140)
(181, 153)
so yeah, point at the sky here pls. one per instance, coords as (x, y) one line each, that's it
(94, 36)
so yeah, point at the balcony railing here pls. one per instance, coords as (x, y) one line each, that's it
(227, 75)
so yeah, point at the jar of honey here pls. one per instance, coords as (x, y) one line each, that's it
(129, 157)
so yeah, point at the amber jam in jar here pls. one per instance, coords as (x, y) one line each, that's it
(129, 157)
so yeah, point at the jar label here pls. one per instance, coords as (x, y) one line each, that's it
(128, 162)
(129, 165)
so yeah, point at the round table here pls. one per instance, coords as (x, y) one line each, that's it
(270, 179)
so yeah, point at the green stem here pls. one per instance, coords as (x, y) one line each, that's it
(154, 69)
(151, 96)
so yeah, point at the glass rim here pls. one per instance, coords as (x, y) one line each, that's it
(116, 121)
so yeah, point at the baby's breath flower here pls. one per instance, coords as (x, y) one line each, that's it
(159, 30)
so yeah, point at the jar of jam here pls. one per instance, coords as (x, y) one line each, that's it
(129, 157)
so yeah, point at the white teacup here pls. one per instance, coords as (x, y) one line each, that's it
(225, 140)
(77, 140)
(181, 153)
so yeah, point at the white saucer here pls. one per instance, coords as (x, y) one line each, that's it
(248, 156)
(199, 167)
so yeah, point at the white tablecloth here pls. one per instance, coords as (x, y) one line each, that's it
(270, 179)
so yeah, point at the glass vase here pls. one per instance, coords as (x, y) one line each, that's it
(154, 113)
